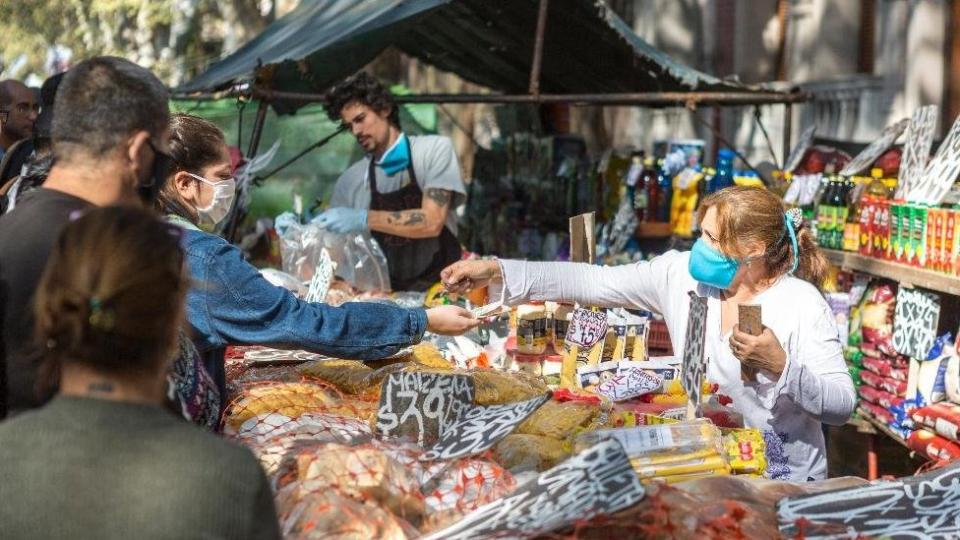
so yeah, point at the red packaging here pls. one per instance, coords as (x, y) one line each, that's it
(877, 411)
(942, 418)
(867, 209)
(897, 387)
(879, 397)
(933, 446)
(881, 229)
(934, 220)
(885, 367)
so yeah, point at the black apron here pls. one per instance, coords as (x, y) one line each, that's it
(415, 263)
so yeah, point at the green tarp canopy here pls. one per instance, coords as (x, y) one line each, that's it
(587, 48)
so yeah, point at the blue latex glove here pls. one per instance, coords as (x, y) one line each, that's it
(284, 221)
(343, 220)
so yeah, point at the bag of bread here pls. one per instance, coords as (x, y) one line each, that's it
(522, 451)
(288, 399)
(365, 473)
(560, 420)
(348, 376)
(329, 514)
(497, 387)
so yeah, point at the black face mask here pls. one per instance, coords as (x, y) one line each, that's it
(162, 165)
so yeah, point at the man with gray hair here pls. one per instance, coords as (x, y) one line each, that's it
(18, 112)
(109, 141)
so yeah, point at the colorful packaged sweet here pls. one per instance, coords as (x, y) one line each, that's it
(746, 450)
(713, 464)
(668, 439)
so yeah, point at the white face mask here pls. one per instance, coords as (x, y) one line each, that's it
(224, 192)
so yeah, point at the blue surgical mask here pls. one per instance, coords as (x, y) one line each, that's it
(710, 267)
(397, 157)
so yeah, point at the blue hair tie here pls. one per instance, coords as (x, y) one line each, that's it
(788, 221)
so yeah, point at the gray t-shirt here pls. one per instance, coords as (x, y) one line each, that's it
(434, 162)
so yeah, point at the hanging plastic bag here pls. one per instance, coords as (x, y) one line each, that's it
(360, 261)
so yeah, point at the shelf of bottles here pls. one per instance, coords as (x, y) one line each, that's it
(902, 273)
(862, 228)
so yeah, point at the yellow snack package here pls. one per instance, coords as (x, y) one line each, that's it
(583, 345)
(701, 465)
(677, 478)
(746, 450)
(679, 438)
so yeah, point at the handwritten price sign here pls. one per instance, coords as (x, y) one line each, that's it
(629, 384)
(587, 327)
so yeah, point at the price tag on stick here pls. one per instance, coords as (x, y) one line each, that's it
(694, 363)
(749, 322)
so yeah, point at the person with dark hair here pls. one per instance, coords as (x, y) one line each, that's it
(233, 303)
(405, 190)
(18, 112)
(105, 459)
(109, 139)
(27, 164)
(788, 380)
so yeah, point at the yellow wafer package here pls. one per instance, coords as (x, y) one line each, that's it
(702, 465)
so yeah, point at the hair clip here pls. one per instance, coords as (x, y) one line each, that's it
(795, 218)
(101, 319)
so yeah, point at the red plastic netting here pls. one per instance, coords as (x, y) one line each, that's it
(319, 452)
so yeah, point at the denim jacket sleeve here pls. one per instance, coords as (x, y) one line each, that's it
(244, 308)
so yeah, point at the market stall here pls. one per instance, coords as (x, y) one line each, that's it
(555, 420)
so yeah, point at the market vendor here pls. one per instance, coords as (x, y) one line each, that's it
(232, 303)
(404, 191)
(750, 252)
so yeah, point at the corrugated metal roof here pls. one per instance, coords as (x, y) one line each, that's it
(587, 47)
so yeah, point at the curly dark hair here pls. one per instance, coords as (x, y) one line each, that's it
(361, 88)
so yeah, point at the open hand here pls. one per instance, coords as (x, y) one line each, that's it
(450, 320)
(463, 276)
(758, 352)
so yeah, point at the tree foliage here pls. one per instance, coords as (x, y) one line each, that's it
(175, 38)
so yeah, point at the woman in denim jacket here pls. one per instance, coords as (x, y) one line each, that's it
(231, 303)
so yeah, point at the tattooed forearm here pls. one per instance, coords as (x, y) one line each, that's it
(415, 217)
(440, 196)
(394, 218)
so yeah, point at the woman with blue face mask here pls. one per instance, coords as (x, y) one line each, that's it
(788, 380)
(230, 302)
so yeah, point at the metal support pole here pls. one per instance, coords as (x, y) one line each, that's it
(872, 470)
(538, 49)
(650, 99)
(258, 128)
(787, 128)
